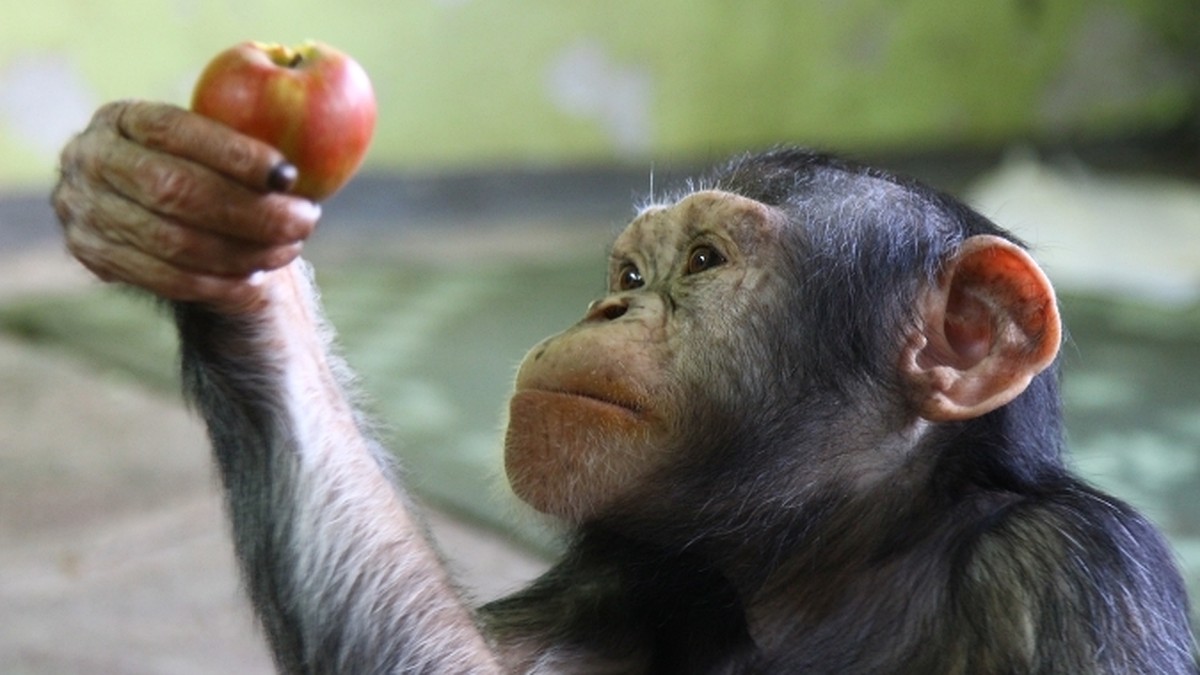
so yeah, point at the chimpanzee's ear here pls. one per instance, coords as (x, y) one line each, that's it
(984, 330)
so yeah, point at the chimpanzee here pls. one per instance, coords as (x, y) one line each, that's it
(813, 427)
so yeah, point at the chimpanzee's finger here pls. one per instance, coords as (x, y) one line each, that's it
(193, 194)
(182, 133)
(188, 248)
(112, 262)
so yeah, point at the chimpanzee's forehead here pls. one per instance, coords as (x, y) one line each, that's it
(702, 212)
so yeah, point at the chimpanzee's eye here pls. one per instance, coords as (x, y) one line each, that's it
(703, 257)
(629, 278)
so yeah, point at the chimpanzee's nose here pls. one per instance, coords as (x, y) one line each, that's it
(607, 309)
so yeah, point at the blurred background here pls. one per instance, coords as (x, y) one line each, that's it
(513, 140)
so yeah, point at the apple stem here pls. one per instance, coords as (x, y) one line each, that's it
(281, 55)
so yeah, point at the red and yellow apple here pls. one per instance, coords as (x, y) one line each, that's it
(312, 102)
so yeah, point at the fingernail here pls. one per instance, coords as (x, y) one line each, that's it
(305, 210)
(282, 177)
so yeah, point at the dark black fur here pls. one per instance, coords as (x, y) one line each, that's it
(984, 555)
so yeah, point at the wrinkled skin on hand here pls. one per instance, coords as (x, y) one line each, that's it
(157, 197)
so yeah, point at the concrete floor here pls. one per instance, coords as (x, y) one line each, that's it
(113, 549)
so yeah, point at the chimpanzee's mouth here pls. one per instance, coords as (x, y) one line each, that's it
(626, 406)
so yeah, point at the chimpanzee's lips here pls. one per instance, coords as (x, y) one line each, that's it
(624, 405)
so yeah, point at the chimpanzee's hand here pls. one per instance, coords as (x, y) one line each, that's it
(160, 198)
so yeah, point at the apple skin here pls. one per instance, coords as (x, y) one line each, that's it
(312, 102)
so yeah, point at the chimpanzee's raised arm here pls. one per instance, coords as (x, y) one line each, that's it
(339, 569)
(335, 561)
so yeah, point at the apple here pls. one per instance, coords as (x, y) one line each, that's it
(312, 102)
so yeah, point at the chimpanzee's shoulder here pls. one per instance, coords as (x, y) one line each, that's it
(1068, 566)
(1069, 524)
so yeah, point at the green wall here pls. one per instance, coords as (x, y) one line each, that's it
(464, 82)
